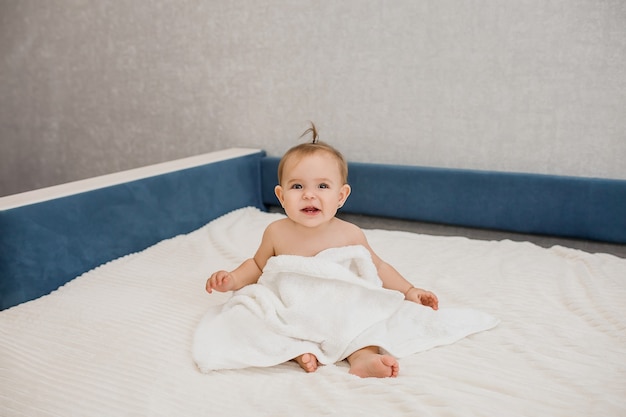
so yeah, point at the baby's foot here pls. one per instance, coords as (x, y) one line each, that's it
(308, 362)
(367, 364)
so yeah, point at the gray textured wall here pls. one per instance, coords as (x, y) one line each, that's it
(92, 87)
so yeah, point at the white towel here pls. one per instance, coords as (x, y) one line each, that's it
(330, 305)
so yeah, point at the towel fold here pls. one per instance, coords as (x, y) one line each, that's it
(331, 305)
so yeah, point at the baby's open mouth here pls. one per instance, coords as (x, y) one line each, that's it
(310, 210)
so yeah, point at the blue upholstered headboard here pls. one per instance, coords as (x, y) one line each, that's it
(45, 242)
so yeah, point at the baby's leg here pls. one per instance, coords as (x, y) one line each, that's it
(368, 362)
(308, 362)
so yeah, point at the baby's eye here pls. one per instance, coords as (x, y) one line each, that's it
(296, 186)
(323, 185)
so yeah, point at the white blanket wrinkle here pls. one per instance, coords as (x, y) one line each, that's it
(331, 305)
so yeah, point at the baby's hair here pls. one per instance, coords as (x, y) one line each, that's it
(312, 130)
(310, 148)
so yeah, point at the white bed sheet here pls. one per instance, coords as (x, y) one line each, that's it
(116, 341)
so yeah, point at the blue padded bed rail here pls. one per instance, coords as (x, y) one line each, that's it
(46, 244)
(585, 208)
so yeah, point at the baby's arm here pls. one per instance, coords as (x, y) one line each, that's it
(247, 273)
(393, 280)
(423, 297)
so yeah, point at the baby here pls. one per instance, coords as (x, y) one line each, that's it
(312, 187)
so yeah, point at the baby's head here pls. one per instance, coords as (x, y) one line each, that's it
(305, 149)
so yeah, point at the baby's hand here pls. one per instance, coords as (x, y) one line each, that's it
(220, 281)
(420, 296)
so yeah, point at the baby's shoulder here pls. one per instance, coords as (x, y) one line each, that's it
(277, 226)
(349, 229)
(344, 224)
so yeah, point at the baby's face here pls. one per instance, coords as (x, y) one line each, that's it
(312, 189)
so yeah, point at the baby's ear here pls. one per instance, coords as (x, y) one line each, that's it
(278, 190)
(344, 193)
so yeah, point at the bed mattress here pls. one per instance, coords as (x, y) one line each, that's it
(117, 340)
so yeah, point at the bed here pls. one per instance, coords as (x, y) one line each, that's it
(102, 287)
